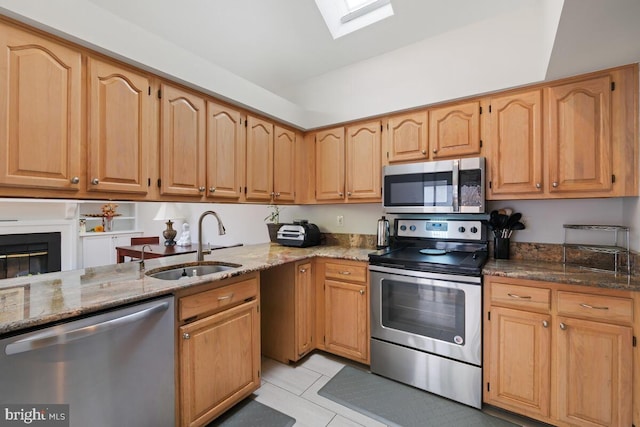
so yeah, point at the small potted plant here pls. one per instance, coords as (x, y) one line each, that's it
(273, 222)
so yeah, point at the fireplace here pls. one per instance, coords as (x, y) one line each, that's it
(32, 253)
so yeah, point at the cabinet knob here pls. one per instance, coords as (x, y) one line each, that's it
(277, 194)
(435, 151)
(424, 151)
(303, 270)
(95, 181)
(349, 193)
(75, 180)
(341, 194)
(186, 336)
(545, 324)
(201, 189)
(212, 189)
(563, 326)
(538, 185)
(554, 184)
(361, 291)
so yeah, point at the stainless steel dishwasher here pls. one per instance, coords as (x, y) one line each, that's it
(115, 368)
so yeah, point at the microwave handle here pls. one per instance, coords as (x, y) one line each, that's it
(455, 181)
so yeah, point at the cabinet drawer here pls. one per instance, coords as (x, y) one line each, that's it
(598, 307)
(216, 299)
(349, 272)
(526, 297)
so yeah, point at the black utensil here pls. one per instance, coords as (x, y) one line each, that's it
(514, 218)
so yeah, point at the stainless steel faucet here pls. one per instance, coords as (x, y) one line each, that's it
(221, 231)
(142, 258)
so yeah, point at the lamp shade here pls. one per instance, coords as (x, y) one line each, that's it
(168, 211)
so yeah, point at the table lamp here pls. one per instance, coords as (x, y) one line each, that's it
(167, 212)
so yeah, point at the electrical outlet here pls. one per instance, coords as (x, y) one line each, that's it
(340, 220)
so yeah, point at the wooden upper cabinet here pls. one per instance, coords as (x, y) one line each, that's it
(407, 138)
(330, 164)
(40, 112)
(515, 135)
(454, 131)
(225, 150)
(119, 122)
(579, 135)
(182, 142)
(364, 161)
(259, 159)
(284, 165)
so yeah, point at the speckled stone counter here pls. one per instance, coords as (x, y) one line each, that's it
(560, 273)
(37, 300)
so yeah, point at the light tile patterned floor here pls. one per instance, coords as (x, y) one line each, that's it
(293, 390)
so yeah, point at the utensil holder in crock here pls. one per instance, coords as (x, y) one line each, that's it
(501, 248)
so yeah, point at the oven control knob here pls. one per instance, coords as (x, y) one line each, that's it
(461, 229)
(412, 228)
(474, 229)
(403, 227)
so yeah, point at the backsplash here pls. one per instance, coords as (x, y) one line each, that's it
(366, 241)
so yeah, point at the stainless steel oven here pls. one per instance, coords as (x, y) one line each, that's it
(426, 307)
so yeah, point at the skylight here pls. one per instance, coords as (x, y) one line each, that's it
(345, 16)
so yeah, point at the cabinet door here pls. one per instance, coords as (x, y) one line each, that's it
(96, 250)
(259, 159)
(346, 318)
(304, 308)
(579, 136)
(515, 138)
(455, 131)
(407, 138)
(594, 373)
(225, 148)
(330, 164)
(364, 161)
(284, 165)
(118, 147)
(182, 142)
(219, 362)
(40, 112)
(519, 374)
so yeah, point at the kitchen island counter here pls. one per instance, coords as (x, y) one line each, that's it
(42, 299)
(560, 273)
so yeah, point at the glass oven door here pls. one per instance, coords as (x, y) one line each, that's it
(435, 314)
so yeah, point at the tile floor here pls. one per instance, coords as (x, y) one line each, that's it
(293, 390)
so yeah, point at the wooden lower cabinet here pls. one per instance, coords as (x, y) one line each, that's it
(219, 353)
(287, 311)
(344, 301)
(562, 354)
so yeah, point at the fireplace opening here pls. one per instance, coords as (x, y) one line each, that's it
(32, 253)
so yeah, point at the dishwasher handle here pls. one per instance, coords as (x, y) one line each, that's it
(54, 338)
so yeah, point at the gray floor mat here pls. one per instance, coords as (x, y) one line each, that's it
(250, 413)
(397, 404)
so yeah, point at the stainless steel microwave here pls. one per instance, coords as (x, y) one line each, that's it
(441, 186)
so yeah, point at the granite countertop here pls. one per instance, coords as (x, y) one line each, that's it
(560, 273)
(37, 300)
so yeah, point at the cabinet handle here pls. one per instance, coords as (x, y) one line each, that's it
(435, 151)
(545, 324)
(186, 336)
(538, 185)
(349, 193)
(201, 189)
(554, 184)
(75, 180)
(563, 326)
(593, 307)
(346, 273)
(212, 189)
(277, 194)
(95, 181)
(225, 297)
(424, 151)
(341, 194)
(361, 291)
(519, 296)
(303, 270)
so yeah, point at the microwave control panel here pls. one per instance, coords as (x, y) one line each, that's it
(434, 229)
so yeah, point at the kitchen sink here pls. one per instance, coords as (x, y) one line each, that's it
(191, 269)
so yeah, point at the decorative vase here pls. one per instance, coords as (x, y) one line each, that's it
(107, 223)
(273, 231)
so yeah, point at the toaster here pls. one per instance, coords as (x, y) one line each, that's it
(300, 234)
